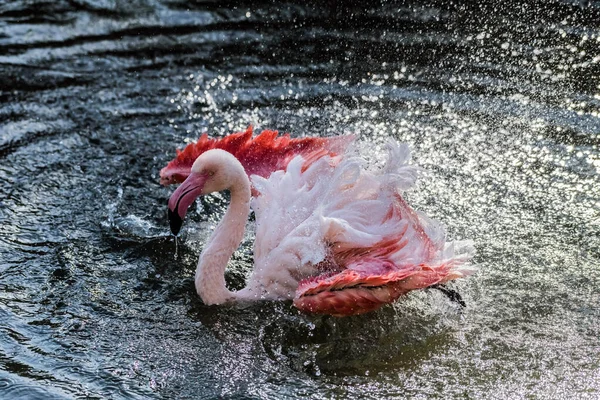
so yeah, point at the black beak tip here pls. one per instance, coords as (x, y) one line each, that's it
(175, 222)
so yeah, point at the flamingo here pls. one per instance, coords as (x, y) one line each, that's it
(332, 235)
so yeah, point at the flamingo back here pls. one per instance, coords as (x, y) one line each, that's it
(260, 155)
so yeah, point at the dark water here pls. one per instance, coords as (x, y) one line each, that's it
(499, 101)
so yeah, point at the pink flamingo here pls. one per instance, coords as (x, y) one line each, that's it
(333, 236)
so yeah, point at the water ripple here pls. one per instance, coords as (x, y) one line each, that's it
(498, 101)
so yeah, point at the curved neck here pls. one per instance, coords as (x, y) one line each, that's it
(210, 274)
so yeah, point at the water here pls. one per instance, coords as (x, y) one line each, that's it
(500, 102)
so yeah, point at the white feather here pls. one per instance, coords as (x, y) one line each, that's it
(300, 213)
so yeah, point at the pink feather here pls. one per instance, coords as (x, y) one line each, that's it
(260, 155)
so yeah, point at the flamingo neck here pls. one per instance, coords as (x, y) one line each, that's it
(210, 274)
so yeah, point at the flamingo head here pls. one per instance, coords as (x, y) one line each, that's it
(213, 171)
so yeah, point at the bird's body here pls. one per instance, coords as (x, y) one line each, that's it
(331, 235)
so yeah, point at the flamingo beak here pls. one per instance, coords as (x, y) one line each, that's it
(182, 198)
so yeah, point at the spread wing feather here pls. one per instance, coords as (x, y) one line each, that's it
(260, 155)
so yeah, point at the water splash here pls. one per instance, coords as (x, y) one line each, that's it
(498, 101)
(176, 255)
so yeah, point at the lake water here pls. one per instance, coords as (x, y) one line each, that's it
(500, 102)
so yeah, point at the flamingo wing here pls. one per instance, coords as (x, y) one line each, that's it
(362, 287)
(260, 155)
(345, 238)
(369, 283)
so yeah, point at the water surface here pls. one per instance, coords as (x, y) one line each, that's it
(499, 101)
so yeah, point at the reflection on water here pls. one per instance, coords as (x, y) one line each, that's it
(499, 101)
